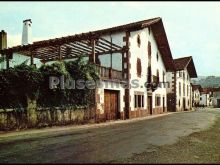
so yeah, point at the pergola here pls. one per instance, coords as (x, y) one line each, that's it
(86, 44)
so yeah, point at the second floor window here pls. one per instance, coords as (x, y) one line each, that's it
(158, 76)
(139, 40)
(187, 90)
(163, 76)
(180, 74)
(149, 48)
(139, 67)
(184, 89)
(179, 89)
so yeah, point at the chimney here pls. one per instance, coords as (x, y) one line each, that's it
(26, 34)
(3, 40)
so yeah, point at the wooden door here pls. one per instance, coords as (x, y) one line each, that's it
(111, 105)
(149, 104)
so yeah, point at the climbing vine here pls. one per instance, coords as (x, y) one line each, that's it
(24, 81)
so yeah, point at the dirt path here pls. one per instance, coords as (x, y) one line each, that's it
(109, 143)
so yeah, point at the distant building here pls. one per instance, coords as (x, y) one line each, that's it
(206, 97)
(196, 91)
(180, 96)
(216, 98)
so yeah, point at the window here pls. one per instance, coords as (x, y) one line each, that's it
(184, 88)
(139, 100)
(168, 84)
(187, 90)
(179, 103)
(180, 74)
(179, 88)
(142, 100)
(183, 76)
(157, 100)
(149, 48)
(157, 56)
(149, 74)
(158, 76)
(139, 67)
(139, 40)
(163, 76)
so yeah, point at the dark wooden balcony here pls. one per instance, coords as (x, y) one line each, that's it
(109, 73)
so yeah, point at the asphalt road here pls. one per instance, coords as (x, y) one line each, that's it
(105, 144)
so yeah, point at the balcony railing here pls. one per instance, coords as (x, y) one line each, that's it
(109, 73)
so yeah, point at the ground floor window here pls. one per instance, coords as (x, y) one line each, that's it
(157, 101)
(139, 100)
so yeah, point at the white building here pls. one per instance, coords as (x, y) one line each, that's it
(180, 91)
(196, 91)
(206, 97)
(216, 98)
(137, 53)
(145, 61)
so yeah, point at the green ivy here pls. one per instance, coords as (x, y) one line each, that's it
(22, 81)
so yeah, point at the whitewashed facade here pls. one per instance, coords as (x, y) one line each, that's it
(180, 92)
(196, 94)
(144, 57)
(136, 52)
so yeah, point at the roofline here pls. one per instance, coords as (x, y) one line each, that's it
(182, 58)
(185, 67)
(94, 34)
(27, 20)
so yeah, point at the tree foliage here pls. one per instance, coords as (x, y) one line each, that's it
(22, 81)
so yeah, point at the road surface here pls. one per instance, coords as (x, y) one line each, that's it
(106, 144)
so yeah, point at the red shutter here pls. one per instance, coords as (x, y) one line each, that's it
(149, 48)
(139, 67)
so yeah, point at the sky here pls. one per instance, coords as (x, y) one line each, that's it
(192, 28)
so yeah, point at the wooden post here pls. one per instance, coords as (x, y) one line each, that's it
(7, 61)
(92, 58)
(59, 53)
(32, 58)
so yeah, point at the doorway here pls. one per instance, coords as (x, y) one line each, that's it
(163, 104)
(111, 101)
(149, 104)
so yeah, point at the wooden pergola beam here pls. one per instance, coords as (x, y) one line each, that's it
(97, 54)
(117, 47)
(76, 47)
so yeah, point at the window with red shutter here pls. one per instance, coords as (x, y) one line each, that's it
(139, 40)
(158, 76)
(149, 48)
(139, 67)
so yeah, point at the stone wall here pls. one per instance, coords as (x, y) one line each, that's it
(43, 117)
